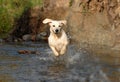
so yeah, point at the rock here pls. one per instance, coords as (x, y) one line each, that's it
(26, 52)
(43, 34)
(1, 40)
(38, 37)
(27, 37)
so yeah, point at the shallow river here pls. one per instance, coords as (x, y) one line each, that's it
(75, 66)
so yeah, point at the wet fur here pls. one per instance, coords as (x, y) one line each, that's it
(58, 42)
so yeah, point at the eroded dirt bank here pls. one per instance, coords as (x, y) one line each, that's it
(89, 22)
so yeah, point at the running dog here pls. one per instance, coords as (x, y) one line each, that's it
(57, 40)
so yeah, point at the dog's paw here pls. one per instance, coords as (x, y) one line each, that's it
(56, 53)
(62, 52)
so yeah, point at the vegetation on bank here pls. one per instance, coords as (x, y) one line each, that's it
(11, 10)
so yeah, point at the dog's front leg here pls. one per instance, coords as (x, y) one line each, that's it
(63, 50)
(54, 50)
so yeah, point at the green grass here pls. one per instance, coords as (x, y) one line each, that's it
(70, 3)
(11, 10)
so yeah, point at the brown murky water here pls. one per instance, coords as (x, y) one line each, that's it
(100, 65)
(110, 61)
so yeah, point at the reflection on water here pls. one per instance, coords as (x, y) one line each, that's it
(100, 65)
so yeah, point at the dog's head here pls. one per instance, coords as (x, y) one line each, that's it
(55, 26)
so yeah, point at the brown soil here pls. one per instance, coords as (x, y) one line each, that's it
(94, 22)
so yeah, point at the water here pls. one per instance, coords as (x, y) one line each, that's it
(75, 66)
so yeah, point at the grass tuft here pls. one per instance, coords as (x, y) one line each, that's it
(11, 10)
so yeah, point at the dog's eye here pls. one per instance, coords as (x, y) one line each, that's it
(59, 25)
(53, 25)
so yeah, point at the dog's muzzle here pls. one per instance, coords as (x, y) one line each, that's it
(56, 31)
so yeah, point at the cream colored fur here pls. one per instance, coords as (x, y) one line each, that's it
(57, 40)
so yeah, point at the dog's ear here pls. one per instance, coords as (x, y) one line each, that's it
(45, 21)
(64, 22)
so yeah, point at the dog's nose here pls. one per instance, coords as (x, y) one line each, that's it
(56, 30)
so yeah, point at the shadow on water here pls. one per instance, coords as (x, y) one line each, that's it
(75, 66)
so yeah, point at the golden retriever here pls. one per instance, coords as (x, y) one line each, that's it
(57, 40)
